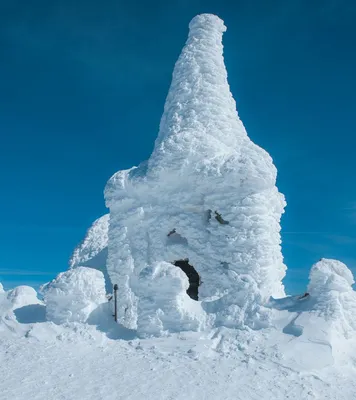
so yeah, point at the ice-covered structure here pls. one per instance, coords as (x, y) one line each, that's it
(205, 202)
(74, 295)
(92, 252)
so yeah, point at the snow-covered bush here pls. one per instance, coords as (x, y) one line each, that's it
(329, 275)
(22, 296)
(73, 295)
(163, 304)
(334, 299)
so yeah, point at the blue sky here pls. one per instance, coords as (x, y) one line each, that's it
(82, 89)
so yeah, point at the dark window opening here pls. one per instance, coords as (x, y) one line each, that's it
(193, 277)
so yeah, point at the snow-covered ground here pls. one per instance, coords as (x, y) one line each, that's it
(45, 361)
(307, 353)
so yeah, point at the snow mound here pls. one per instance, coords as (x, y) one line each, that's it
(1, 288)
(93, 252)
(22, 296)
(335, 300)
(322, 321)
(163, 304)
(73, 295)
(328, 275)
(207, 195)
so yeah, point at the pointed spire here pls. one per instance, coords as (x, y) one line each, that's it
(200, 118)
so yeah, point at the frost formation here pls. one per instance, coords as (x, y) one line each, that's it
(73, 295)
(335, 300)
(92, 252)
(206, 197)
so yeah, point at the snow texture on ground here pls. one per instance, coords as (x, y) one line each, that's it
(305, 353)
(206, 194)
(69, 362)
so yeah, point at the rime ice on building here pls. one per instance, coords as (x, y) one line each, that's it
(205, 203)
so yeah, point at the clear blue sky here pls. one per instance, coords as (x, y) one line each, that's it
(82, 89)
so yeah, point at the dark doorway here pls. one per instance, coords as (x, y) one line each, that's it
(193, 277)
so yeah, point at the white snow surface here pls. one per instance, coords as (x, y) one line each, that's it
(206, 194)
(22, 296)
(40, 360)
(74, 295)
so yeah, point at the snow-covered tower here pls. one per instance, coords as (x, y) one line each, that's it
(204, 204)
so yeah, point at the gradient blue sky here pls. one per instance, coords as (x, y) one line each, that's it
(82, 89)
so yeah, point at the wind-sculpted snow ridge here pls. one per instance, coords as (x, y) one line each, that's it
(74, 295)
(92, 251)
(206, 197)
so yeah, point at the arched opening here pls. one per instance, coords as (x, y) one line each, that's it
(193, 277)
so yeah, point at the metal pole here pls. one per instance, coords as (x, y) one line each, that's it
(115, 300)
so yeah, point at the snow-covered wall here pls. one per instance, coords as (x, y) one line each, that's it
(207, 194)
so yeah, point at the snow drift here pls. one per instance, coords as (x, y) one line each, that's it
(73, 295)
(206, 196)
